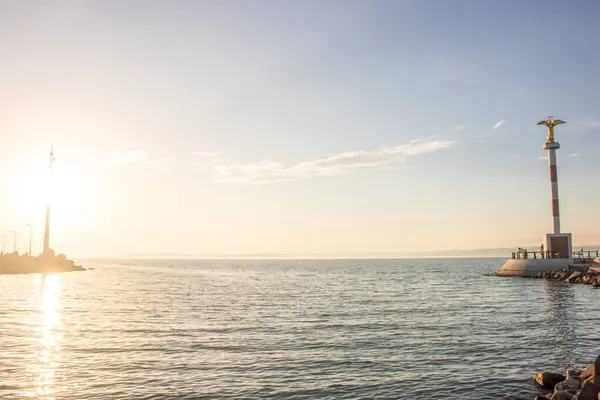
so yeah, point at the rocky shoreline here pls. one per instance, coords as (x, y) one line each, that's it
(590, 276)
(576, 384)
(44, 264)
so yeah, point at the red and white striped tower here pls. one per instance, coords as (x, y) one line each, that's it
(552, 146)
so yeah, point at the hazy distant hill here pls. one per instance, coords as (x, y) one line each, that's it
(455, 253)
(436, 254)
(162, 255)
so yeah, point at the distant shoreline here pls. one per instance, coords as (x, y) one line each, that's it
(439, 254)
(224, 257)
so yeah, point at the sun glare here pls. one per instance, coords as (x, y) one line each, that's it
(69, 194)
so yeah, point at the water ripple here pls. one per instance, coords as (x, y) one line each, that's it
(427, 329)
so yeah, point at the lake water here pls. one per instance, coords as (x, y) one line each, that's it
(194, 329)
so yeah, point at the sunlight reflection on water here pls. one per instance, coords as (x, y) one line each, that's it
(258, 329)
(44, 386)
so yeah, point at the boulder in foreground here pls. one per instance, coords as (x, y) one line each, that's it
(548, 380)
(589, 391)
(562, 395)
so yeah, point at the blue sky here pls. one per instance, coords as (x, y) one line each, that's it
(303, 127)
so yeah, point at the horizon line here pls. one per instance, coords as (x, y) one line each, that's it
(450, 253)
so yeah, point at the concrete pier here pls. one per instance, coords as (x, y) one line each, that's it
(532, 267)
(531, 263)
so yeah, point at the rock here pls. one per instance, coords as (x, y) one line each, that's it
(548, 380)
(594, 379)
(589, 391)
(591, 370)
(574, 276)
(562, 395)
(570, 385)
(561, 275)
(573, 373)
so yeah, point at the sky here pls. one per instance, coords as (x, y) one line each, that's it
(307, 127)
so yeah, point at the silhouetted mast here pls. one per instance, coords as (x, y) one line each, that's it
(47, 229)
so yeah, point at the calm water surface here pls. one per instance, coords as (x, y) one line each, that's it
(398, 329)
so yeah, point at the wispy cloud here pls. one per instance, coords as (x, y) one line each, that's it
(542, 158)
(499, 124)
(160, 161)
(396, 167)
(137, 158)
(160, 165)
(126, 157)
(266, 171)
(201, 158)
(458, 128)
(574, 154)
(207, 153)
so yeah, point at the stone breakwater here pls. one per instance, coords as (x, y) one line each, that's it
(590, 276)
(45, 264)
(576, 384)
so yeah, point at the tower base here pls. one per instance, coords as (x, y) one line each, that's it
(559, 245)
(532, 267)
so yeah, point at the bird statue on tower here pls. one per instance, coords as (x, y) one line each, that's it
(551, 123)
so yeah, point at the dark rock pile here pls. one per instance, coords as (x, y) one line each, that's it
(45, 263)
(576, 385)
(587, 277)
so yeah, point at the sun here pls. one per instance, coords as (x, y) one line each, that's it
(66, 189)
